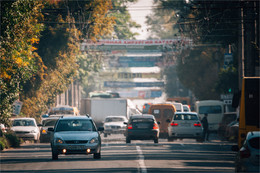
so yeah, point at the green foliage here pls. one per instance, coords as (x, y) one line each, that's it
(20, 31)
(228, 81)
(12, 139)
(3, 143)
(207, 23)
(199, 73)
(123, 21)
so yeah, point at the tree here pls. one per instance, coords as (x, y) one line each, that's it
(210, 24)
(199, 73)
(20, 31)
(59, 48)
(123, 21)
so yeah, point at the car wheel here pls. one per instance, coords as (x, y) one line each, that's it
(128, 140)
(97, 156)
(199, 140)
(170, 139)
(156, 140)
(54, 155)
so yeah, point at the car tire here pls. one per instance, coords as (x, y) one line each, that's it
(199, 140)
(54, 155)
(97, 156)
(170, 139)
(156, 141)
(128, 140)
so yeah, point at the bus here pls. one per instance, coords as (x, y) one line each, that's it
(214, 109)
(249, 108)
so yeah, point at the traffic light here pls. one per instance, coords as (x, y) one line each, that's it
(229, 90)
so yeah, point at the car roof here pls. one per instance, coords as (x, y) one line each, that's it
(75, 118)
(115, 116)
(187, 113)
(253, 134)
(24, 118)
(142, 116)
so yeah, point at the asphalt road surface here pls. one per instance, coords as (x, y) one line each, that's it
(184, 156)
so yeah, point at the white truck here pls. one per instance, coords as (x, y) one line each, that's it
(100, 108)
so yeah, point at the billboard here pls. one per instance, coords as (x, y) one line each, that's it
(122, 84)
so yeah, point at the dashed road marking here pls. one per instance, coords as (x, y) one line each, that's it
(142, 167)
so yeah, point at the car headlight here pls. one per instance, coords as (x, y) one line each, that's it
(59, 141)
(93, 140)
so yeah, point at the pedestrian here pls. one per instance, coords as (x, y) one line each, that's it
(205, 125)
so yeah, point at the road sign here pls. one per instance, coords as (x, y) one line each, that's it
(17, 106)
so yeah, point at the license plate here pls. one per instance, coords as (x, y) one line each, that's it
(142, 125)
(76, 147)
(185, 124)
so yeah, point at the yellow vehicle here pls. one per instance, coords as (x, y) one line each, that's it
(163, 114)
(62, 110)
(249, 108)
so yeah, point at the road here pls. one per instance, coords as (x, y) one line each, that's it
(140, 156)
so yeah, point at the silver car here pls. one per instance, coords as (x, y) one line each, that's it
(248, 157)
(75, 135)
(115, 125)
(185, 125)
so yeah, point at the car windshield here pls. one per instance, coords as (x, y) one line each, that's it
(24, 123)
(114, 119)
(75, 125)
(49, 122)
(185, 117)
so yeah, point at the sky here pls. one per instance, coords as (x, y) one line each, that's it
(138, 11)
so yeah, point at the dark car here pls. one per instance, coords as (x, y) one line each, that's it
(47, 123)
(75, 135)
(142, 127)
(226, 119)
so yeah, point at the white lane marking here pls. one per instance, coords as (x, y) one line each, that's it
(142, 167)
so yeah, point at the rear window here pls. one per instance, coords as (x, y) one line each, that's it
(156, 113)
(167, 113)
(142, 120)
(254, 142)
(114, 119)
(210, 110)
(185, 117)
(49, 122)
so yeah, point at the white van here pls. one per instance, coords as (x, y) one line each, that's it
(214, 109)
(178, 106)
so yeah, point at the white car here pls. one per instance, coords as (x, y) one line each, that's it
(185, 125)
(26, 128)
(115, 125)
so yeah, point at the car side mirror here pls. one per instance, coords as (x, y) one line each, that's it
(158, 122)
(51, 129)
(100, 128)
(168, 121)
(235, 148)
